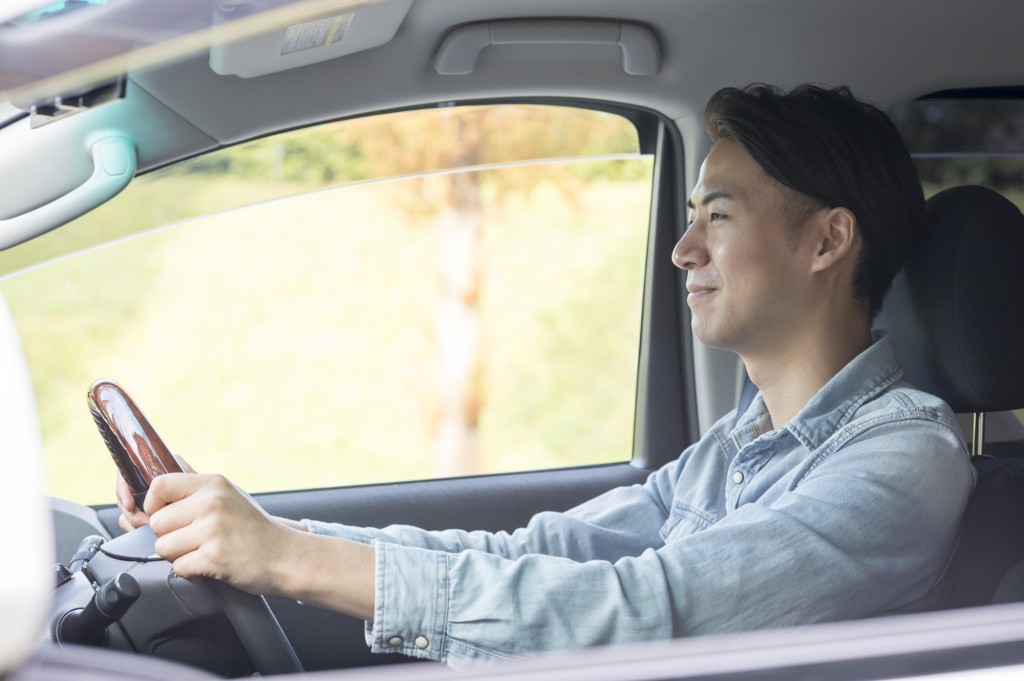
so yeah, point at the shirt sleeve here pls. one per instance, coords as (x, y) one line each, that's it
(623, 521)
(851, 538)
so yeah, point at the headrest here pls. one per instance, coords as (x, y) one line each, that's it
(956, 310)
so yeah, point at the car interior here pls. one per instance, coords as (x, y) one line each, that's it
(98, 99)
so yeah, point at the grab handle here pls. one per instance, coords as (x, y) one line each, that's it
(113, 159)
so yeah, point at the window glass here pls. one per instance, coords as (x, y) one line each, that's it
(422, 294)
(965, 140)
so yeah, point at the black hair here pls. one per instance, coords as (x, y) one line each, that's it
(832, 151)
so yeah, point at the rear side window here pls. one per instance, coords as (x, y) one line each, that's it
(420, 294)
(968, 138)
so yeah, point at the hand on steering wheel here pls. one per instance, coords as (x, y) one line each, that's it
(180, 503)
(131, 515)
(208, 527)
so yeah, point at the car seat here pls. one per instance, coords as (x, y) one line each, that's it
(956, 314)
(26, 570)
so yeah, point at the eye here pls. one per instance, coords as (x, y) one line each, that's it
(715, 217)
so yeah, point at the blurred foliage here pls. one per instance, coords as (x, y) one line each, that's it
(423, 141)
(965, 141)
(359, 150)
(291, 351)
(277, 322)
(952, 126)
(1001, 174)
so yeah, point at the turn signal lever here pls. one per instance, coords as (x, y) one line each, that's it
(86, 551)
(109, 603)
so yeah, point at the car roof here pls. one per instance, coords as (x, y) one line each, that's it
(887, 52)
(175, 105)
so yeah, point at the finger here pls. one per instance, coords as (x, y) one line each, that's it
(195, 555)
(133, 520)
(171, 487)
(130, 515)
(176, 544)
(173, 517)
(187, 566)
(194, 564)
(189, 498)
(124, 495)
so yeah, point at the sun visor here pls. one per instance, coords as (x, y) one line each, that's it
(26, 572)
(353, 28)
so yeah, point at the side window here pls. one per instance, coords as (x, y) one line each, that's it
(421, 294)
(967, 138)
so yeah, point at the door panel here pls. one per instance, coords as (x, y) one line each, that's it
(326, 640)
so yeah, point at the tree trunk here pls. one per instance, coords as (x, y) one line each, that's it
(458, 321)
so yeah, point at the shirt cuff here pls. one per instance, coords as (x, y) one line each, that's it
(356, 534)
(411, 602)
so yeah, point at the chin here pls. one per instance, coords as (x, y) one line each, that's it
(716, 336)
(707, 336)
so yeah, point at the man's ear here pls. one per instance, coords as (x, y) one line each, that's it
(836, 235)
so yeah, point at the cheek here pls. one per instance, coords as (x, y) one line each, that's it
(750, 270)
(721, 252)
(734, 260)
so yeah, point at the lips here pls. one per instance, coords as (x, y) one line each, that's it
(698, 292)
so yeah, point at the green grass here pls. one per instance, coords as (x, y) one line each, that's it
(292, 344)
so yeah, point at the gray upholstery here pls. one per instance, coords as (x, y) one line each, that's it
(956, 313)
(956, 310)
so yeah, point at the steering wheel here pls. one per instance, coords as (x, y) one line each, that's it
(204, 622)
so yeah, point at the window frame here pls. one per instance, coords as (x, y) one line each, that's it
(665, 419)
(665, 413)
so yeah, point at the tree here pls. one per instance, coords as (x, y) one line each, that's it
(447, 145)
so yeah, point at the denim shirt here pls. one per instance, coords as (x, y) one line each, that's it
(848, 510)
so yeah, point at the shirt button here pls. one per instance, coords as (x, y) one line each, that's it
(395, 640)
(421, 642)
(737, 477)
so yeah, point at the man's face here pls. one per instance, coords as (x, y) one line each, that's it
(747, 275)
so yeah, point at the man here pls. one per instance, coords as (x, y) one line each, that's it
(836, 495)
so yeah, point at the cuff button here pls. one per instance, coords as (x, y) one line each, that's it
(395, 641)
(421, 642)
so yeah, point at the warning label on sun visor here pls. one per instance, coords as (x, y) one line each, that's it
(313, 34)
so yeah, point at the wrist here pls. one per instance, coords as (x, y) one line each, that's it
(293, 524)
(327, 572)
(290, 562)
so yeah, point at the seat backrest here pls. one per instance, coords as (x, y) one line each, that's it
(26, 570)
(956, 315)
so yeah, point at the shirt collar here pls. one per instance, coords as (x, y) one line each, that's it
(864, 378)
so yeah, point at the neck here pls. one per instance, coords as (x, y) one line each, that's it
(789, 377)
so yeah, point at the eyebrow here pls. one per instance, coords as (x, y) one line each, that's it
(709, 197)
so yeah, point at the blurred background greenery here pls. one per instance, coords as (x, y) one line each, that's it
(274, 307)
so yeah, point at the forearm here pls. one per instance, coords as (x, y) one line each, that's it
(621, 522)
(328, 572)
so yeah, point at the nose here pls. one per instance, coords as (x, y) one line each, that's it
(690, 253)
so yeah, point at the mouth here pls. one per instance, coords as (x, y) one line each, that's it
(697, 293)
